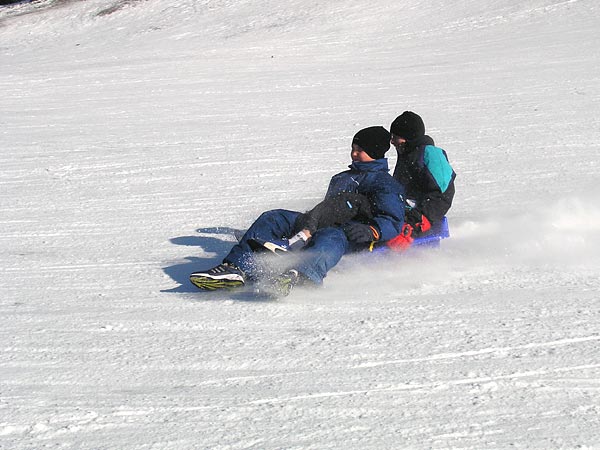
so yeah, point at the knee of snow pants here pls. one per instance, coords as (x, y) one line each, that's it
(323, 252)
(274, 224)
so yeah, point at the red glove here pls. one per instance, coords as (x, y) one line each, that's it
(424, 225)
(403, 240)
(419, 222)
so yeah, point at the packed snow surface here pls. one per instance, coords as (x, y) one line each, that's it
(136, 136)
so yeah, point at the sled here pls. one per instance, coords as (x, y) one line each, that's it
(433, 239)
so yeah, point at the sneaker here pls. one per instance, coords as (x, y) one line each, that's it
(223, 276)
(283, 284)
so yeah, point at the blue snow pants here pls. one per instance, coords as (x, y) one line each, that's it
(323, 251)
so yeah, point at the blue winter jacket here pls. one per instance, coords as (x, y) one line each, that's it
(386, 195)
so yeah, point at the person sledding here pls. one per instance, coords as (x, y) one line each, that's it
(423, 169)
(314, 243)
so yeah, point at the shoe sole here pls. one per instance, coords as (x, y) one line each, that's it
(276, 288)
(277, 249)
(212, 284)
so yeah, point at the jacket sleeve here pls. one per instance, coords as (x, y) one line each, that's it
(336, 210)
(338, 183)
(436, 200)
(387, 201)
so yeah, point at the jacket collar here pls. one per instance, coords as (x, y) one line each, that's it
(371, 166)
(420, 141)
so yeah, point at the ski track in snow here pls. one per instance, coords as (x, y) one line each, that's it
(121, 122)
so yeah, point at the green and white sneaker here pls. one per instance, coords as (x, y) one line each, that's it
(223, 276)
(282, 284)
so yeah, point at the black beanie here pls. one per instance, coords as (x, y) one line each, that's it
(375, 141)
(408, 125)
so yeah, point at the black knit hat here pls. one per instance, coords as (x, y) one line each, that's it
(408, 125)
(375, 141)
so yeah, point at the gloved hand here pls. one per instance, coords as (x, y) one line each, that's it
(403, 240)
(418, 221)
(360, 233)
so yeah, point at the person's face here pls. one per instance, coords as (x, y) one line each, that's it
(398, 142)
(359, 155)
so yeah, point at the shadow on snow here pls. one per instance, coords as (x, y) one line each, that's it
(209, 240)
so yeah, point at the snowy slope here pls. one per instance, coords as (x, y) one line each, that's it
(136, 135)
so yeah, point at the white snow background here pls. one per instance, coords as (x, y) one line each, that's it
(136, 135)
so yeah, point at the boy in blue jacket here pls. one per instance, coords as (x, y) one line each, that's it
(369, 177)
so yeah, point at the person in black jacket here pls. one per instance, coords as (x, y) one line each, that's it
(426, 174)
